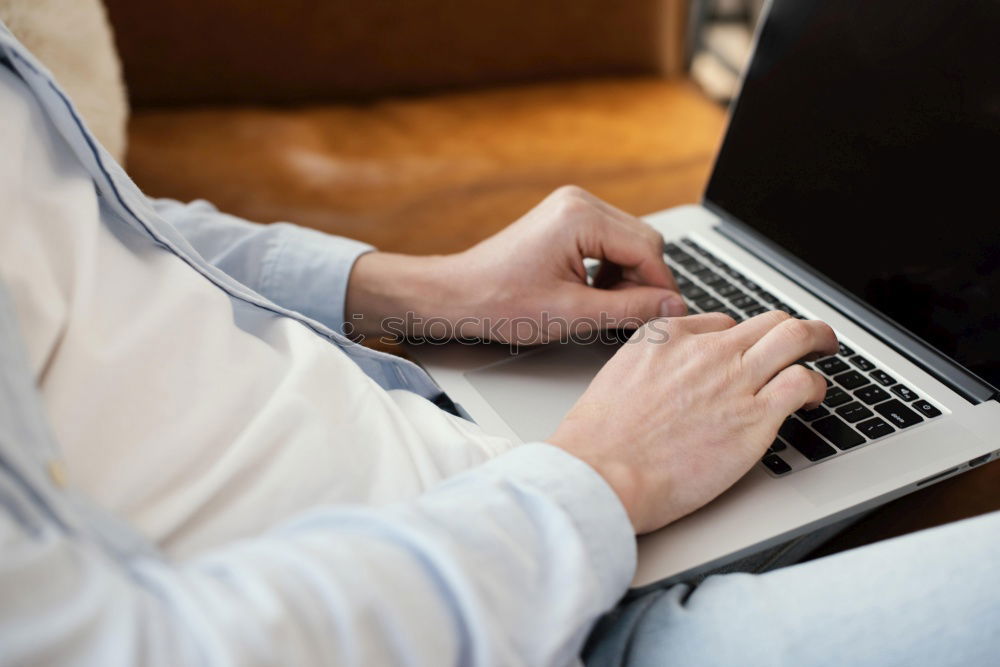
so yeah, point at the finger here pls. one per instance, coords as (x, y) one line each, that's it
(753, 329)
(654, 238)
(628, 246)
(609, 275)
(617, 274)
(793, 388)
(634, 276)
(610, 209)
(627, 308)
(623, 284)
(785, 344)
(707, 323)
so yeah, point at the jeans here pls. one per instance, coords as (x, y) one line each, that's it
(928, 598)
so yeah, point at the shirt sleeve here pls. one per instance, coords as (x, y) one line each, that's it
(297, 268)
(509, 563)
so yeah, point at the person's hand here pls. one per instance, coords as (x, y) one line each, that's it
(688, 405)
(527, 284)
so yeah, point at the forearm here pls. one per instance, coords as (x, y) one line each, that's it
(297, 268)
(406, 295)
(507, 564)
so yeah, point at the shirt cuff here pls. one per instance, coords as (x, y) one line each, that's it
(309, 273)
(586, 497)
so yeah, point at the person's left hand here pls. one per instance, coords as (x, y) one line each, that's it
(525, 285)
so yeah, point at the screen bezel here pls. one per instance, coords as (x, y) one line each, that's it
(902, 340)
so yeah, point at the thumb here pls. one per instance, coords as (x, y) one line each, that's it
(627, 307)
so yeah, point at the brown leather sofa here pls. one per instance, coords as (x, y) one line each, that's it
(417, 125)
(425, 125)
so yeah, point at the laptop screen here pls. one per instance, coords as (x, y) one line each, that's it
(866, 141)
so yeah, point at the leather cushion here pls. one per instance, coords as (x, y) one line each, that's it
(236, 51)
(437, 173)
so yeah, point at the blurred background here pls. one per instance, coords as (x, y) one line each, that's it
(424, 125)
(420, 125)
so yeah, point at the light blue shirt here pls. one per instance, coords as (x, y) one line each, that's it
(509, 563)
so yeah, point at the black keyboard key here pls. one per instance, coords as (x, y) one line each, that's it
(904, 393)
(716, 281)
(883, 378)
(785, 307)
(862, 363)
(693, 292)
(702, 272)
(926, 409)
(836, 396)
(755, 311)
(898, 414)
(744, 302)
(851, 380)
(682, 281)
(719, 263)
(710, 304)
(839, 433)
(854, 412)
(692, 265)
(707, 257)
(875, 428)
(810, 445)
(767, 297)
(815, 413)
(732, 313)
(845, 351)
(673, 250)
(729, 291)
(872, 394)
(776, 464)
(831, 366)
(749, 284)
(777, 446)
(734, 274)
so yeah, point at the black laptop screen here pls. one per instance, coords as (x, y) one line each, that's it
(866, 141)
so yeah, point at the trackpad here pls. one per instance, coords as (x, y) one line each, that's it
(534, 390)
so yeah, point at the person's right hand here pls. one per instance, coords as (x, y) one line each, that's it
(688, 405)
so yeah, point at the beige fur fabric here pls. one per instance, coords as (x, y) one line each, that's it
(73, 39)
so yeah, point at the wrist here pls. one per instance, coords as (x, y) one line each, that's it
(624, 481)
(399, 295)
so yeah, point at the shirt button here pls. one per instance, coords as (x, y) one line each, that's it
(57, 473)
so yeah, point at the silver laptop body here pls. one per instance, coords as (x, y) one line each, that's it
(943, 419)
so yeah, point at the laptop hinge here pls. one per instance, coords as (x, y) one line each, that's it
(969, 386)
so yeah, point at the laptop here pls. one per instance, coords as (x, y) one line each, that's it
(856, 184)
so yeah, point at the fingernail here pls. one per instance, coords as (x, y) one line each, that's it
(673, 306)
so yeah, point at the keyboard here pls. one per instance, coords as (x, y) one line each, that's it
(863, 402)
(709, 284)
